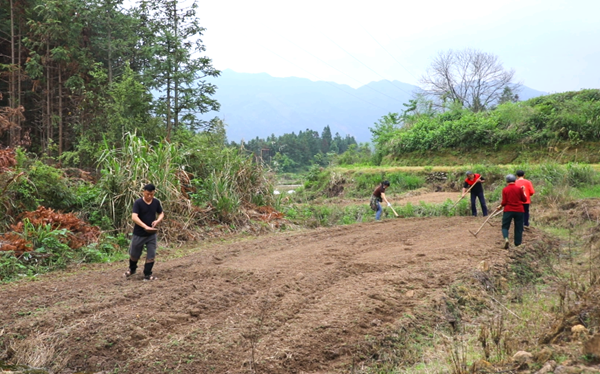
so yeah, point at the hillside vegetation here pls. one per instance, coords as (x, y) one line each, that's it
(563, 127)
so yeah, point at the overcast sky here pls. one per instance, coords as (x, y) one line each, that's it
(553, 45)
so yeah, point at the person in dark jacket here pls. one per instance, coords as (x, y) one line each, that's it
(513, 198)
(474, 182)
(147, 214)
(378, 197)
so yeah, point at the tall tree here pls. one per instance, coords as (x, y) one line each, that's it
(112, 38)
(508, 96)
(11, 19)
(173, 62)
(384, 129)
(326, 139)
(59, 57)
(469, 77)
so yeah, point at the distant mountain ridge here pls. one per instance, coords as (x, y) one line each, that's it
(260, 105)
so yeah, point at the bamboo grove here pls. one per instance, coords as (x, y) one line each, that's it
(75, 73)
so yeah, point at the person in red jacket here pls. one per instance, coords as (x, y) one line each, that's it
(513, 199)
(529, 191)
(474, 183)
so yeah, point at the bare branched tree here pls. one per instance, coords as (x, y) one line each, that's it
(470, 77)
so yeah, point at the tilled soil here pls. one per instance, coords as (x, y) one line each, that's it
(414, 199)
(286, 303)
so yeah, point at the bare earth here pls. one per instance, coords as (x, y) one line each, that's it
(430, 198)
(415, 198)
(285, 303)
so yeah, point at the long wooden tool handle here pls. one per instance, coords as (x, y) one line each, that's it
(463, 196)
(393, 211)
(497, 212)
(487, 219)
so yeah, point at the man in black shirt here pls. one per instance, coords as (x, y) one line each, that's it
(144, 216)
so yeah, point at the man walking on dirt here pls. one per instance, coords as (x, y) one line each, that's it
(377, 197)
(529, 191)
(145, 210)
(513, 199)
(473, 182)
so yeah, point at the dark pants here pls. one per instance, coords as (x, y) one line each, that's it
(518, 218)
(481, 201)
(526, 215)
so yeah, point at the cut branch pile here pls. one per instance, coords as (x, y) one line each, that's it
(75, 174)
(8, 116)
(11, 241)
(7, 159)
(264, 213)
(79, 233)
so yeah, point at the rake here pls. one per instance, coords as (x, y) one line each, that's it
(486, 221)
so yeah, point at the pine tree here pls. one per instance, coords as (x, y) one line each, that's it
(326, 139)
(170, 38)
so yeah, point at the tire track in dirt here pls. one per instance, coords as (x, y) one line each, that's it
(285, 303)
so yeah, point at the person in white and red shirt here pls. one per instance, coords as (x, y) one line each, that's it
(529, 191)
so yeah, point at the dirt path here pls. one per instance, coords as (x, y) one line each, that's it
(429, 198)
(287, 303)
(415, 198)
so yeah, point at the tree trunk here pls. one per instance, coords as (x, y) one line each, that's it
(48, 113)
(175, 77)
(169, 106)
(11, 101)
(60, 112)
(110, 72)
(19, 89)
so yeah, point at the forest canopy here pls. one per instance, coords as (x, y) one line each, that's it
(75, 73)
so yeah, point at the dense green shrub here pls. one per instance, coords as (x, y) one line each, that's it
(31, 184)
(365, 183)
(44, 185)
(571, 117)
(234, 179)
(125, 170)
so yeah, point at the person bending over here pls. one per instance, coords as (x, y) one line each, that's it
(474, 183)
(378, 197)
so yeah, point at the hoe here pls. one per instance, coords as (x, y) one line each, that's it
(486, 221)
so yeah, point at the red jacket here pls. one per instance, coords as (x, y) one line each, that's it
(529, 191)
(478, 188)
(513, 198)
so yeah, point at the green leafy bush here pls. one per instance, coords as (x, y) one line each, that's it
(365, 183)
(43, 185)
(571, 117)
(228, 181)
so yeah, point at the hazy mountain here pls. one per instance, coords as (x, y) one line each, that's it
(260, 105)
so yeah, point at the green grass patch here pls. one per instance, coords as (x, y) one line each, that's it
(327, 215)
(588, 192)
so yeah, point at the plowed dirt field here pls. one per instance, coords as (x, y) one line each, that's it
(284, 303)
